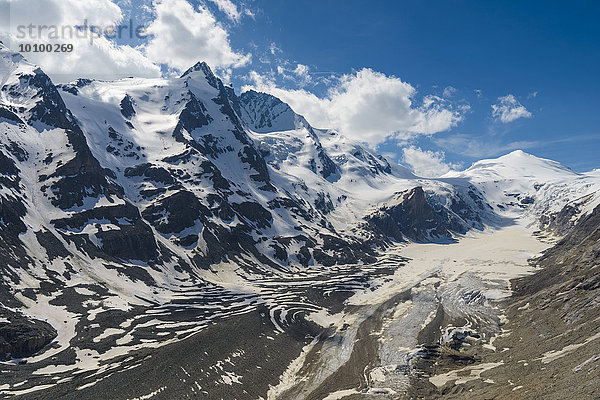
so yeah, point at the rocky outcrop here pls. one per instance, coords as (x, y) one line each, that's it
(132, 238)
(127, 107)
(22, 337)
(573, 263)
(562, 222)
(193, 116)
(411, 216)
(175, 212)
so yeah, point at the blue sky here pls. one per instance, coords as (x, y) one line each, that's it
(547, 49)
(417, 80)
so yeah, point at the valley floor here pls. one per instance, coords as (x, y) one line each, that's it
(387, 341)
(423, 327)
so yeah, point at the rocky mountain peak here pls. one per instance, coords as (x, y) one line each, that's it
(265, 113)
(411, 216)
(203, 68)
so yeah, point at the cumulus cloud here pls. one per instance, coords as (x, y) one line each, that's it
(509, 109)
(179, 35)
(229, 9)
(182, 35)
(368, 106)
(94, 56)
(427, 163)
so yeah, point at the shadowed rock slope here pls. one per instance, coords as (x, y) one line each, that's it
(550, 348)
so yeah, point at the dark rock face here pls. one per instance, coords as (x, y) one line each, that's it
(12, 211)
(193, 116)
(175, 212)
(131, 242)
(50, 109)
(22, 337)
(261, 110)
(252, 157)
(324, 203)
(150, 172)
(12, 253)
(336, 250)
(9, 115)
(54, 247)
(80, 177)
(127, 107)
(134, 240)
(412, 216)
(9, 173)
(255, 213)
(213, 173)
(562, 222)
(328, 167)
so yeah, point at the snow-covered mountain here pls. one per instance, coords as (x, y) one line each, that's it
(522, 185)
(144, 200)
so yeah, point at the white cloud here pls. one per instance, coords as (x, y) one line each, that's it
(368, 106)
(449, 91)
(93, 56)
(183, 36)
(299, 74)
(274, 49)
(467, 145)
(301, 70)
(229, 9)
(302, 74)
(509, 109)
(180, 36)
(427, 163)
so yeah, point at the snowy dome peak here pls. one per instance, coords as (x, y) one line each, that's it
(519, 157)
(517, 165)
(518, 154)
